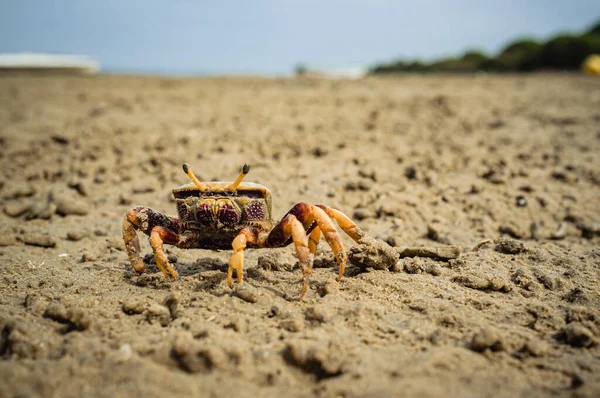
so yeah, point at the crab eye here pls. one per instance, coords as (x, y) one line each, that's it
(255, 211)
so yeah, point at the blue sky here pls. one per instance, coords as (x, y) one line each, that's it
(271, 36)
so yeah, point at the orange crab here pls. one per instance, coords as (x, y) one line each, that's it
(222, 215)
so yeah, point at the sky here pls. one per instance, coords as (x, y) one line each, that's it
(272, 36)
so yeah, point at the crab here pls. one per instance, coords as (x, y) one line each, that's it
(236, 215)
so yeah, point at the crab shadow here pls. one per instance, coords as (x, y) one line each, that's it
(208, 274)
(204, 274)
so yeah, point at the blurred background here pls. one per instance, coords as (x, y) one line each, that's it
(268, 37)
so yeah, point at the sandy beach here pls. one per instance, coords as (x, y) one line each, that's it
(486, 186)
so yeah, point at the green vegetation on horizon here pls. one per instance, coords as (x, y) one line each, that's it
(562, 52)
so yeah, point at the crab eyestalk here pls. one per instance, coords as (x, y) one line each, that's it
(188, 170)
(233, 186)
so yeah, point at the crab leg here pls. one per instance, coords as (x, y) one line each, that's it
(313, 240)
(345, 223)
(328, 229)
(236, 261)
(147, 220)
(158, 236)
(315, 221)
(293, 227)
(132, 242)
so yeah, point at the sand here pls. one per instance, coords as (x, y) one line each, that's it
(487, 188)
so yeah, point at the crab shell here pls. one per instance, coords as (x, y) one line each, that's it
(222, 213)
